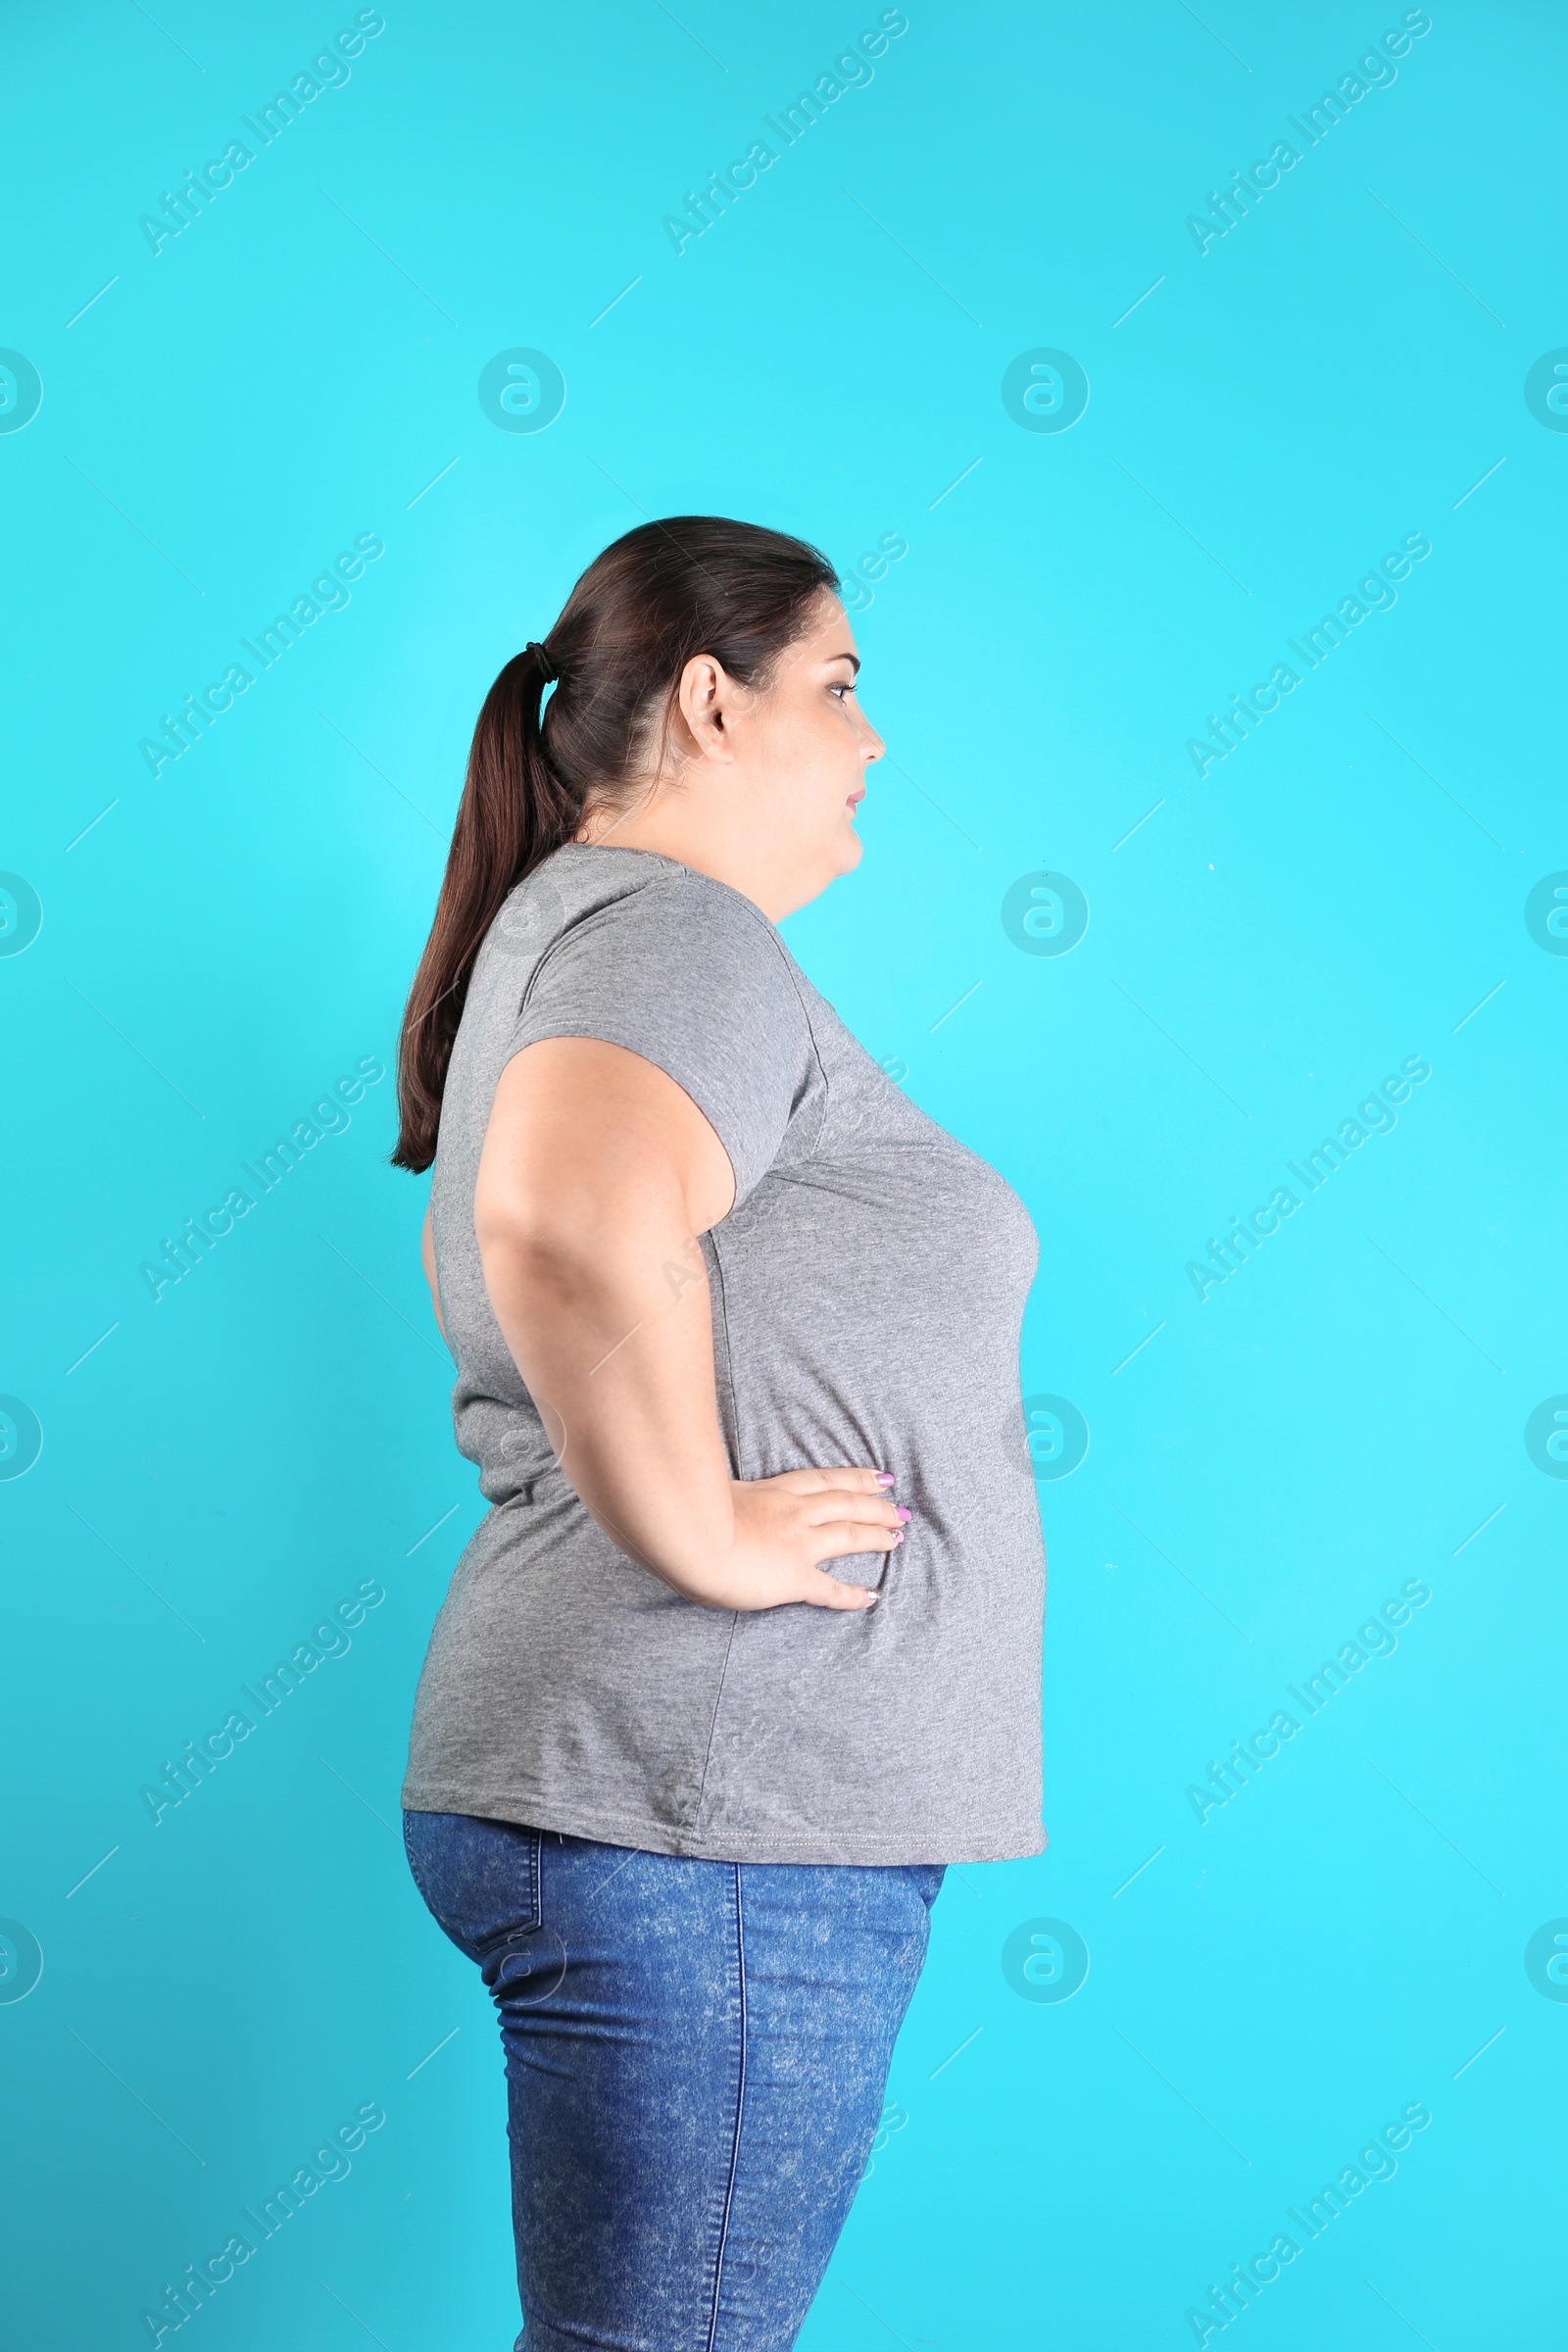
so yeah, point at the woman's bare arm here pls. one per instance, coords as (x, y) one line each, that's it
(597, 1176)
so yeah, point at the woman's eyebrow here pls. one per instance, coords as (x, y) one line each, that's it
(854, 658)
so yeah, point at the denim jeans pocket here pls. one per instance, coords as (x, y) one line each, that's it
(479, 1879)
(412, 1844)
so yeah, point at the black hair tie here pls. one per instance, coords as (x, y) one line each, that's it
(547, 668)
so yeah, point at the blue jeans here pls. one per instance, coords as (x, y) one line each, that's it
(696, 2055)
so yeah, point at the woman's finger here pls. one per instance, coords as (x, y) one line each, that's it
(821, 1591)
(816, 1482)
(842, 1537)
(865, 1510)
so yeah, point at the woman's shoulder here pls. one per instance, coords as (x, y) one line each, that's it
(594, 925)
(589, 879)
(645, 954)
(629, 904)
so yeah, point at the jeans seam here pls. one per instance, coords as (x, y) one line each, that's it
(740, 2107)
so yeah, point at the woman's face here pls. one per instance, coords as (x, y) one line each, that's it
(800, 750)
(758, 787)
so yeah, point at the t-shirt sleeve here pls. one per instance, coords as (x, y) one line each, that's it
(687, 973)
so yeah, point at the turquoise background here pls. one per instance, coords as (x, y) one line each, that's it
(1345, 1936)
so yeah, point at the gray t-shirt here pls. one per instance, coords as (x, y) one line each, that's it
(867, 1291)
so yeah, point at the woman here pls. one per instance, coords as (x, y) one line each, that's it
(707, 1709)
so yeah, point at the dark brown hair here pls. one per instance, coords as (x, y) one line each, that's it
(694, 584)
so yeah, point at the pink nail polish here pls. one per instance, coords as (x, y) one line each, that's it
(896, 1540)
(902, 1513)
(884, 1478)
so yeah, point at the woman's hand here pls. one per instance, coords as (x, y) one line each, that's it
(786, 1526)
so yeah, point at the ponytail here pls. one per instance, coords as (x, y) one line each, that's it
(694, 584)
(514, 810)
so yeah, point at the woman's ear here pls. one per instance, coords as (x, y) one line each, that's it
(704, 702)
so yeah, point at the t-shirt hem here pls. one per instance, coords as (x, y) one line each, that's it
(933, 1842)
